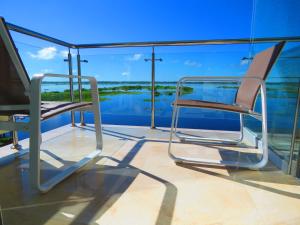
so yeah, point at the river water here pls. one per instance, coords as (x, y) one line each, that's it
(135, 109)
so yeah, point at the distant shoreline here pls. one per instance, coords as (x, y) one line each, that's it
(148, 82)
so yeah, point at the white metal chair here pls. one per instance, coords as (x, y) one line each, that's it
(20, 95)
(250, 85)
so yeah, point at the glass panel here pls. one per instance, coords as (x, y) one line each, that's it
(125, 88)
(200, 61)
(295, 165)
(44, 57)
(283, 81)
(124, 80)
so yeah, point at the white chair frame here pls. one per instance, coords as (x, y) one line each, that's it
(34, 129)
(262, 117)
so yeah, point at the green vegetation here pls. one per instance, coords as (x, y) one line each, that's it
(286, 89)
(115, 90)
(229, 86)
(149, 100)
(144, 87)
(277, 91)
(5, 141)
(86, 95)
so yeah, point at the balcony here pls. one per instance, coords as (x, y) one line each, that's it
(134, 181)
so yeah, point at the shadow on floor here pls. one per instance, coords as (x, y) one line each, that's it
(90, 192)
(249, 179)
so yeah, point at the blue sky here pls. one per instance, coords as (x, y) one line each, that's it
(141, 20)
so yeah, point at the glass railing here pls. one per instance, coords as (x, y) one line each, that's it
(282, 97)
(283, 82)
(44, 57)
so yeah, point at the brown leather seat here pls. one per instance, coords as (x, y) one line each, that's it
(49, 109)
(20, 96)
(210, 105)
(244, 102)
(247, 92)
(14, 79)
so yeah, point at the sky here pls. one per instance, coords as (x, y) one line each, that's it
(109, 21)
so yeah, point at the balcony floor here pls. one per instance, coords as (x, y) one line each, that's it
(135, 182)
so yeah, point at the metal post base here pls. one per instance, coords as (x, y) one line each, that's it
(16, 147)
(11, 157)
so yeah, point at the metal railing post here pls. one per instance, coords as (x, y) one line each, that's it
(15, 144)
(153, 59)
(153, 90)
(80, 86)
(69, 60)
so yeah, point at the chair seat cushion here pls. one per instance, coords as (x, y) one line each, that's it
(49, 109)
(210, 105)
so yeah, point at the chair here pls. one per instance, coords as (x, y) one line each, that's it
(20, 95)
(250, 85)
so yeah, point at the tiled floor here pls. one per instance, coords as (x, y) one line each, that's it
(134, 182)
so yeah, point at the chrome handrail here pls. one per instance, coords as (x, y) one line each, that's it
(35, 34)
(188, 42)
(32, 33)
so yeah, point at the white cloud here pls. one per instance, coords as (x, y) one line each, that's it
(37, 74)
(43, 71)
(125, 73)
(50, 53)
(192, 63)
(44, 54)
(135, 57)
(244, 62)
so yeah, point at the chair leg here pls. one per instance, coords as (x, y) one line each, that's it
(34, 161)
(171, 133)
(34, 152)
(264, 124)
(261, 163)
(241, 137)
(176, 120)
(190, 138)
(98, 127)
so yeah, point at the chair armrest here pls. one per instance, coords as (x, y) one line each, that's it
(216, 78)
(40, 77)
(204, 79)
(211, 79)
(37, 80)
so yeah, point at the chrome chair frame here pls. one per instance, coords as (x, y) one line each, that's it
(34, 128)
(262, 117)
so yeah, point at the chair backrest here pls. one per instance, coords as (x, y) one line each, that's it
(14, 81)
(260, 67)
